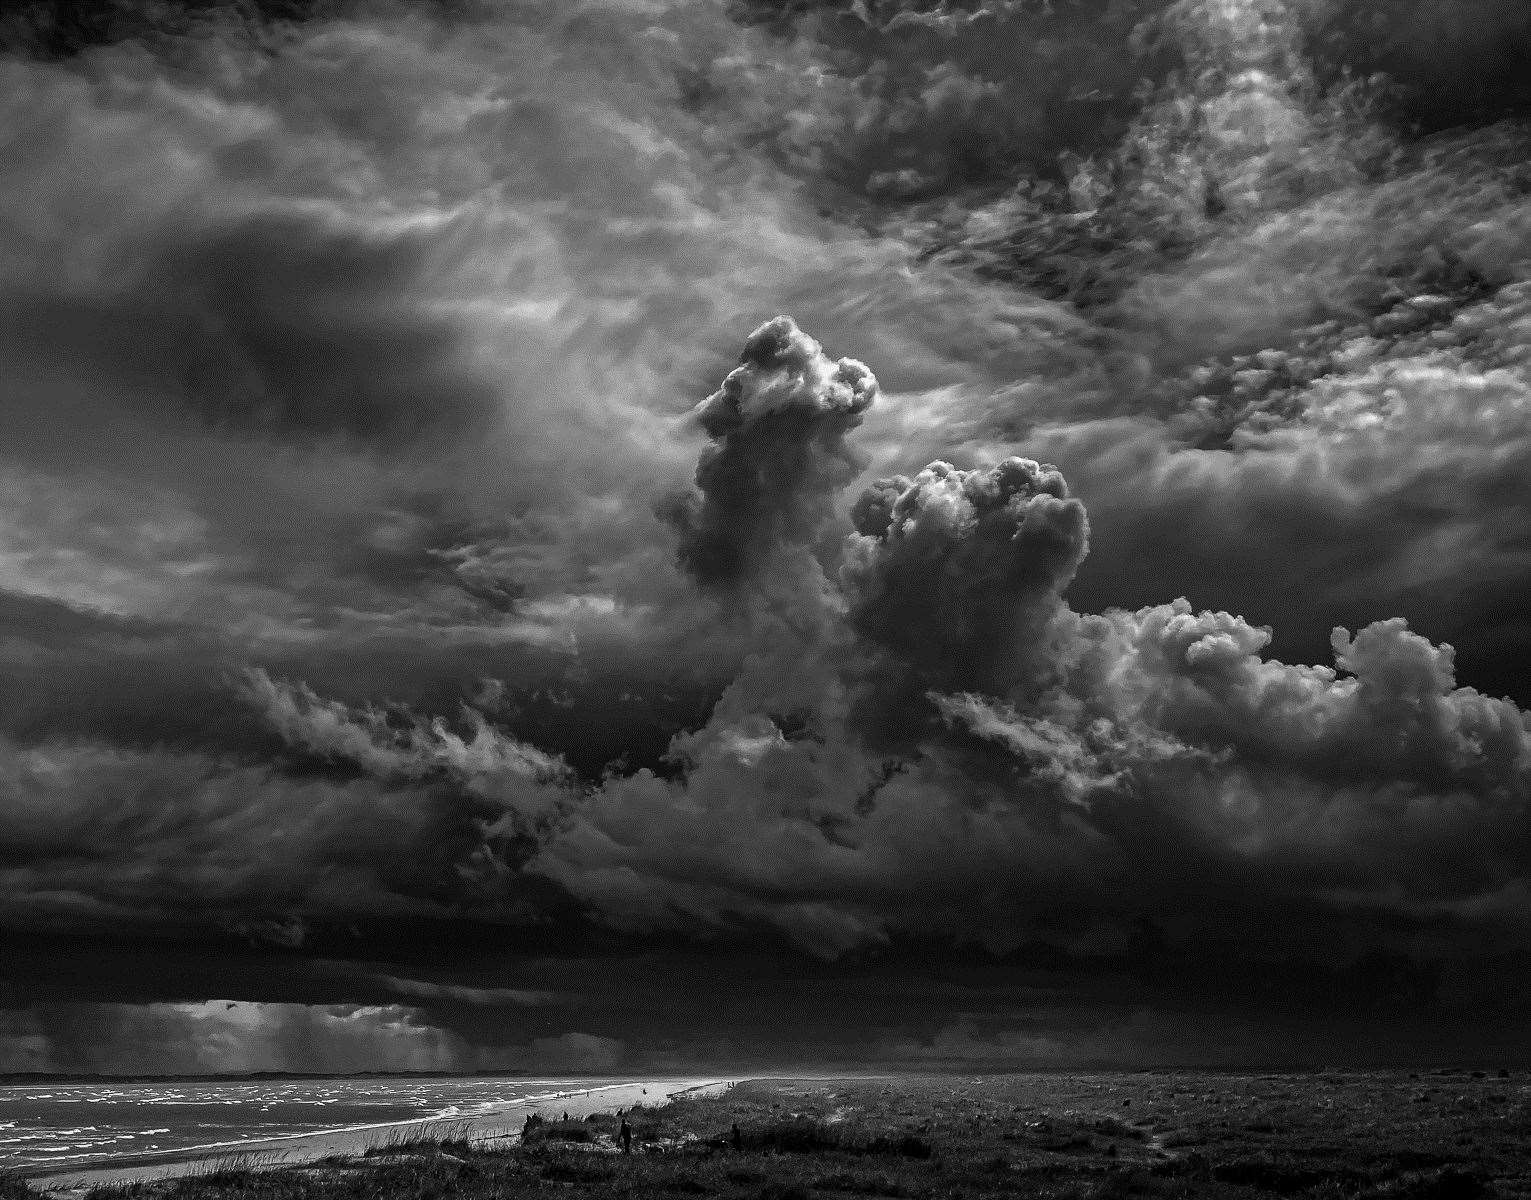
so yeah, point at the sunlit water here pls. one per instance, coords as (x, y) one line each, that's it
(69, 1124)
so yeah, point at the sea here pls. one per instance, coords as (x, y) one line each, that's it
(76, 1124)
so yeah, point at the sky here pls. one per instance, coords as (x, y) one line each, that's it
(632, 535)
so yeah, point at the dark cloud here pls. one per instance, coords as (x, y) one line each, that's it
(921, 100)
(1149, 750)
(96, 831)
(58, 28)
(395, 746)
(361, 554)
(292, 325)
(778, 454)
(958, 573)
(217, 1036)
(235, 1036)
(1446, 64)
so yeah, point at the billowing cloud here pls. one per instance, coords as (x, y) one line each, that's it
(374, 595)
(405, 748)
(778, 453)
(958, 573)
(1349, 789)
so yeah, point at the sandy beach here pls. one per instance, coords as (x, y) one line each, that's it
(503, 1122)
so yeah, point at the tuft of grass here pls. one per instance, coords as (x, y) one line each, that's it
(578, 1133)
(797, 1136)
(775, 1190)
(562, 1171)
(436, 1138)
(907, 1146)
(13, 1187)
(686, 1184)
(1273, 1177)
(1448, 1184)
(860, 1185)
(1112, 1127)
(800, 1135)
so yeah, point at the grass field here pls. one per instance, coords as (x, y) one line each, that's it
(1160, 1136)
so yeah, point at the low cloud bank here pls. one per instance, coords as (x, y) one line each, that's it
(213, 1037)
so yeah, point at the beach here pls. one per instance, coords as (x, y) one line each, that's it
(502, 1124)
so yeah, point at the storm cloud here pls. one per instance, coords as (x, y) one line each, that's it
(1094, 611)
(778, 454)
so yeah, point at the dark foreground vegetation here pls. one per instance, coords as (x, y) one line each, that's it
(1330, 1136)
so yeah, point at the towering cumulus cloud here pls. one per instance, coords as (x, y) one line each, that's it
(778, 453)
(958, 573)
(1184, 758)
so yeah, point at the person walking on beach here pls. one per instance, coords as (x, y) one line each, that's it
(625, 1136)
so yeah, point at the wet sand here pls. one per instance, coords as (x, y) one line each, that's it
(503, 1123)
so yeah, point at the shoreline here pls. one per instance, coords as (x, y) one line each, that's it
(501, 1124)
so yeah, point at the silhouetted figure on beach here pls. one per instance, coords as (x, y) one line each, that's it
(736, 1137)
(625, 1136)
(566, 1116)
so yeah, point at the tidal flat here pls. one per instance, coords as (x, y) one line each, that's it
(1440, 1135)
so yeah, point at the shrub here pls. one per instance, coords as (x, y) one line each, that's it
(907, 1146)
(875, 1185)
(689, 1184)
(1449, 1184)
(567, 1172)
(782, 1191)
(794, 1137)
